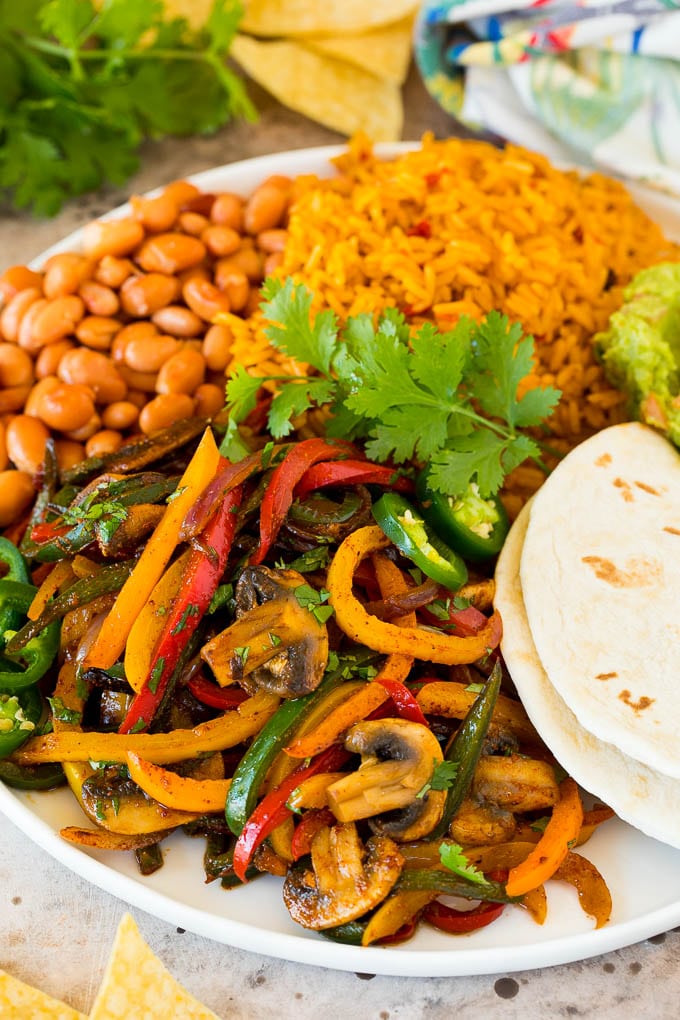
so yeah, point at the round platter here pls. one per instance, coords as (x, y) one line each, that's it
(643, 874)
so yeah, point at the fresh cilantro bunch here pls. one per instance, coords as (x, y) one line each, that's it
(447, 399)
(83, 84)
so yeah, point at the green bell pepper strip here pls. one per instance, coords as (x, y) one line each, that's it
(14, 561)
(19, 714)
(272, 738)
(407, 529)
(466, 748)
(107, 580)
(448, 884)
(36, 657)
(474, 526)
(32, 777)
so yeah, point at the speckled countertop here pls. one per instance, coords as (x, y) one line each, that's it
(56, 929)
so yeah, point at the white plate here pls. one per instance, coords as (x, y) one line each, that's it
(643, 875)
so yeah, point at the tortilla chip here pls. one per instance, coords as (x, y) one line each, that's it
(310, 17)
(385, 51)
(19, 1001)
(332, 92)
(136, 985)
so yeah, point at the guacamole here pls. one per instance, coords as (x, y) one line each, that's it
(641, 349)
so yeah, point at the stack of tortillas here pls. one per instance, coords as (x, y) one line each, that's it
(588, 586)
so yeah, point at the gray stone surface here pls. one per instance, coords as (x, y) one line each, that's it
(56, 929)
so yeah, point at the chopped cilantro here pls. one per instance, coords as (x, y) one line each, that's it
(461, 602)
(313, 600)
(190, 610)
(314, 559)
(475, 688)
(442, 778)
(62, 713)
(452, 857)
(274, 639)
(223, 594)
(139, 725)
(156, 674)
(540, 824)
(242, 654)
(178, 492)
(440, 608)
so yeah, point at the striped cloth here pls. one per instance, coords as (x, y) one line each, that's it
(589, 81)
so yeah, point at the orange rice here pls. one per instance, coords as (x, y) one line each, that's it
(459, 227)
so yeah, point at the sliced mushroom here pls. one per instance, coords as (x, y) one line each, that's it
(276, 643)
(398, 759)
(415, 821)
(345, 879)
(478, 823)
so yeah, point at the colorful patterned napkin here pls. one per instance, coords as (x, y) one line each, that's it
(590, 81)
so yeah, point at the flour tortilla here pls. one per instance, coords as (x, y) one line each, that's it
(638, 794)
(600, 575)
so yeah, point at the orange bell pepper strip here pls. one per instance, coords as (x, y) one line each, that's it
(352, 617)
(182, 793)
(593, 892)
(59, 575)
(560, 834)
(149, 625)
(111, 639)
(160, 748)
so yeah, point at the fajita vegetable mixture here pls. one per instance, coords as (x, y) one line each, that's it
(267, 617)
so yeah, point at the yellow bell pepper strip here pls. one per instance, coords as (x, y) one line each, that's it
(148, 627)
(453, 700)
(279, 495)
(311, 793)
(560, 833)
(395, 913)
(111, 639)
(362, 627)
(593, 892)
(198, 584)
(160, 748)
(58, 575)
(179, 792)
(273, 809)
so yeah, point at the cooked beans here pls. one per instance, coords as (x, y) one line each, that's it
(130, 334)
(16, 495)
(26, 438)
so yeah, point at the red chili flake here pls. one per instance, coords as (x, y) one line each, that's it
(432, 180)
(420, 229)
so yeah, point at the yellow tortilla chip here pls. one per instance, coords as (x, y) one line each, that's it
(385, 51)
(19, 1001)
(332, 92)
(136, 985)
(315, 17)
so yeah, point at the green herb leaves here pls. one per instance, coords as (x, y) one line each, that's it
(452, 857)
(446, 398)
(82, 85)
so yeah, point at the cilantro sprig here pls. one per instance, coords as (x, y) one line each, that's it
(452, 857)
(449, 399)
(82, 84)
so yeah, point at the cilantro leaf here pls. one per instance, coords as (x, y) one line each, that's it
(452, 857)
(442, 778)
(289, 305)
(293, 400)
(91, 81)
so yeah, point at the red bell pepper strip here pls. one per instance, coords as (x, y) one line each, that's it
(48, 531)
(272, 810)
(406, 705)
(350, 472)
(463, 622)
(311, 822)
(279, 494)
(199, 583)
(406, 932)
(216, 697)
(459, 922)
(227, 478)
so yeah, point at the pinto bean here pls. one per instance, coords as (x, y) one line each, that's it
(178, 321)
(15, 310)
(99, 299)
(67, 407)
(216, 348)
(145, 294)
(68, 453)
(33, 404)
(170, 253)
(16, 366)
(47, 362)
(210, 400)
(16, 495)
(265, 208)
(157, 213)
(233, 283)
(112, 237)
(121, 415)
(164, 410)
(54, 320)
(227, 211)
(193, 223)
(13, 398)
(64, 273)
(104, 441)
(149, 353)
(182, 373)
(18, 278)
(205, 299)
(113, 271)
(92, 368)
(221, 240)
(26, 438)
